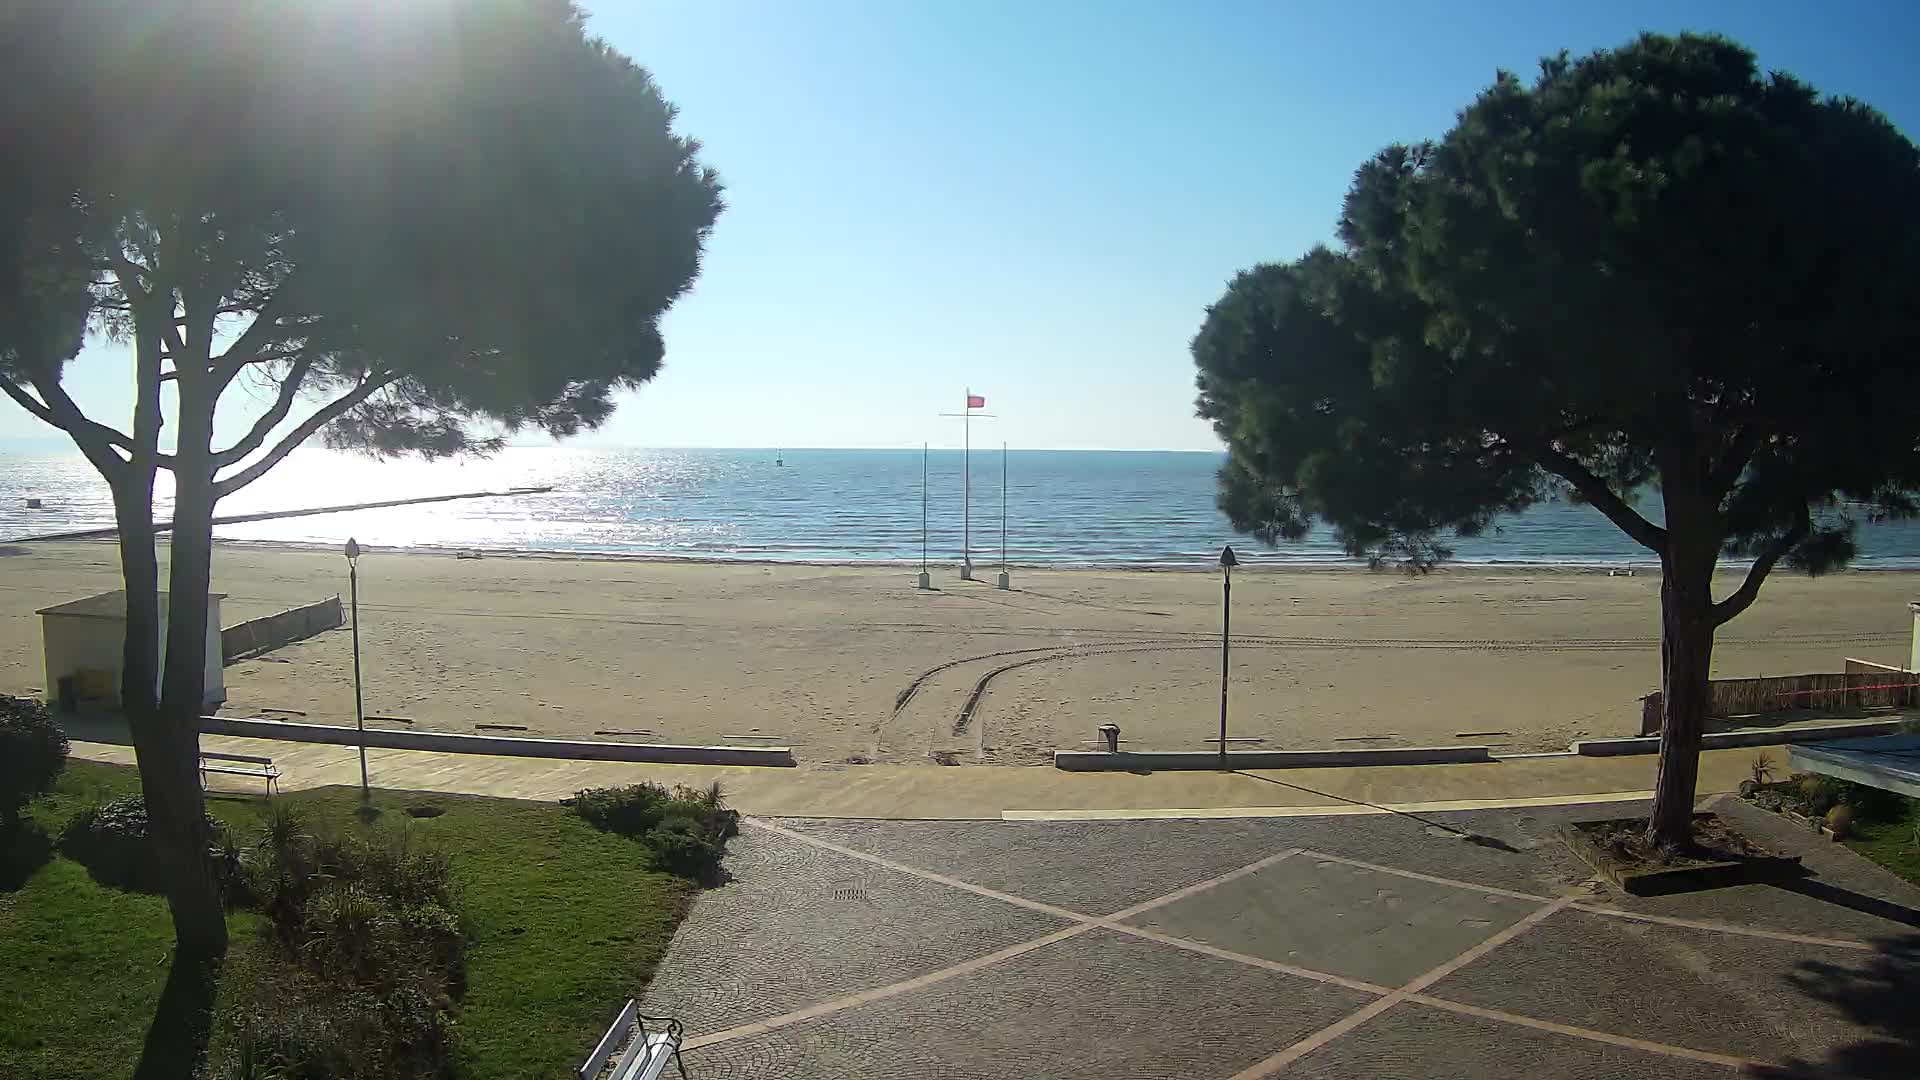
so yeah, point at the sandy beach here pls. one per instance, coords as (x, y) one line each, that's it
(852, 661)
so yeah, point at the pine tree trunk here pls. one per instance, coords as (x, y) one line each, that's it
(1686, 648)
(169, 769)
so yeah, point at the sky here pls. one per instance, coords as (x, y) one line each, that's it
(1037, 201)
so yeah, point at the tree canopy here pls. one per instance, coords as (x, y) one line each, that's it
(430, 217)
(415, 227)
(1651, 269)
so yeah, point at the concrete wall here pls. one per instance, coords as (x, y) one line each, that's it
(269, 632)
(1127, 760)
(1721, 740)
(447, 742)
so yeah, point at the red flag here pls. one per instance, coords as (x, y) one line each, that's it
(976, 401)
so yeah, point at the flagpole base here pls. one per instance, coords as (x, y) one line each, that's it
(1005, 582)
(966, 571)
(926, 581)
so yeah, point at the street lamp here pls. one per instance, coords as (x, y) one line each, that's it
(1227, 563)
(359, 710)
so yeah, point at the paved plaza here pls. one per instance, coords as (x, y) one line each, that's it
(1465, 945)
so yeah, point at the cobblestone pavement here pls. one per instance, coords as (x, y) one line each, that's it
(1449, 945)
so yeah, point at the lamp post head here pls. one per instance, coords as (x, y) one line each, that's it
(353, 549)
(1227, 559)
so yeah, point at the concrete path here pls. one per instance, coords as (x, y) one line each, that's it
(993, 792)
(1465, 945)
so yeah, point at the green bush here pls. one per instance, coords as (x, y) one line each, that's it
(686, 846)
(405, 1034)
(684, 830)
(33, 753)
(112, 842)
(629, 811)
(1819, 794)
(374, 911)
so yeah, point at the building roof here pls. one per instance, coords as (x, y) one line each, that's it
(106, 605)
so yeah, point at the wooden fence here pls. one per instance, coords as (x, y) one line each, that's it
(1852, 689)
(1863, 685)
(255, 636)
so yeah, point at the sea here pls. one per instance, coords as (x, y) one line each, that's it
(1055, 507)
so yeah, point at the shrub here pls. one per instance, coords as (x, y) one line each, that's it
(1817, 793)
(684, 830)
(629, 811)
(712, 803)
(339, 1035)
(373, 911)
(111, 842)
(33, 753)
(1840, 820)
(686, 846)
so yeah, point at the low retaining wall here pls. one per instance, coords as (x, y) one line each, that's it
(1722, 740)
(1131, 760)
(268, 632)
(448, 742)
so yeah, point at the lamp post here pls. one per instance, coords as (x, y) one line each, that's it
(1227, 563)
(359, 709)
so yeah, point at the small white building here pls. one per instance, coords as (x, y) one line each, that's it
(85, 640)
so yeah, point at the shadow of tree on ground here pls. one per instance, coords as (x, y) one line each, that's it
(1882, 997)
(22, 851)
(176, 1044)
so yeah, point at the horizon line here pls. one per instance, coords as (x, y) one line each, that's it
(55, 442)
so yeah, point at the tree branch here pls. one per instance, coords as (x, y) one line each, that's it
(242, 352)
(129, 273)
(1743, 597)
(96, 441)
(1595, 491)
(1740, 450)
(282, 405)
(321, 417)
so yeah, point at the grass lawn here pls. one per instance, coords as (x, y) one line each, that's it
(564, 924)
(1893, 844)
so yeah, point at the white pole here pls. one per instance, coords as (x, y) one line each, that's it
(925, 582)
(966, 491)
(1005, 582)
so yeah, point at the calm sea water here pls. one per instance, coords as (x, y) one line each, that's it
(1062, 507)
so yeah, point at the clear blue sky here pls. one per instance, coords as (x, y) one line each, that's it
(1037, 200)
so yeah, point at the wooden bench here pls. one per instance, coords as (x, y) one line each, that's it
(648, 1049)
(243, 765)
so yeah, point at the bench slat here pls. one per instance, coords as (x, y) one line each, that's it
(590, 1068)
(255, 758)
(659, 1049)
(275, 773)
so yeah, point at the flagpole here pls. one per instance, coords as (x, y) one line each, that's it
(966, 491)
(966, 480)
(1005, 582)
(926, 582)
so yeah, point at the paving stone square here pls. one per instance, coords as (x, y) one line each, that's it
(888, 966)
(797, 925)
(1760, 999)
(1346, 920)
(1412, 1040)
(1093, 867)
(1096, 1006)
